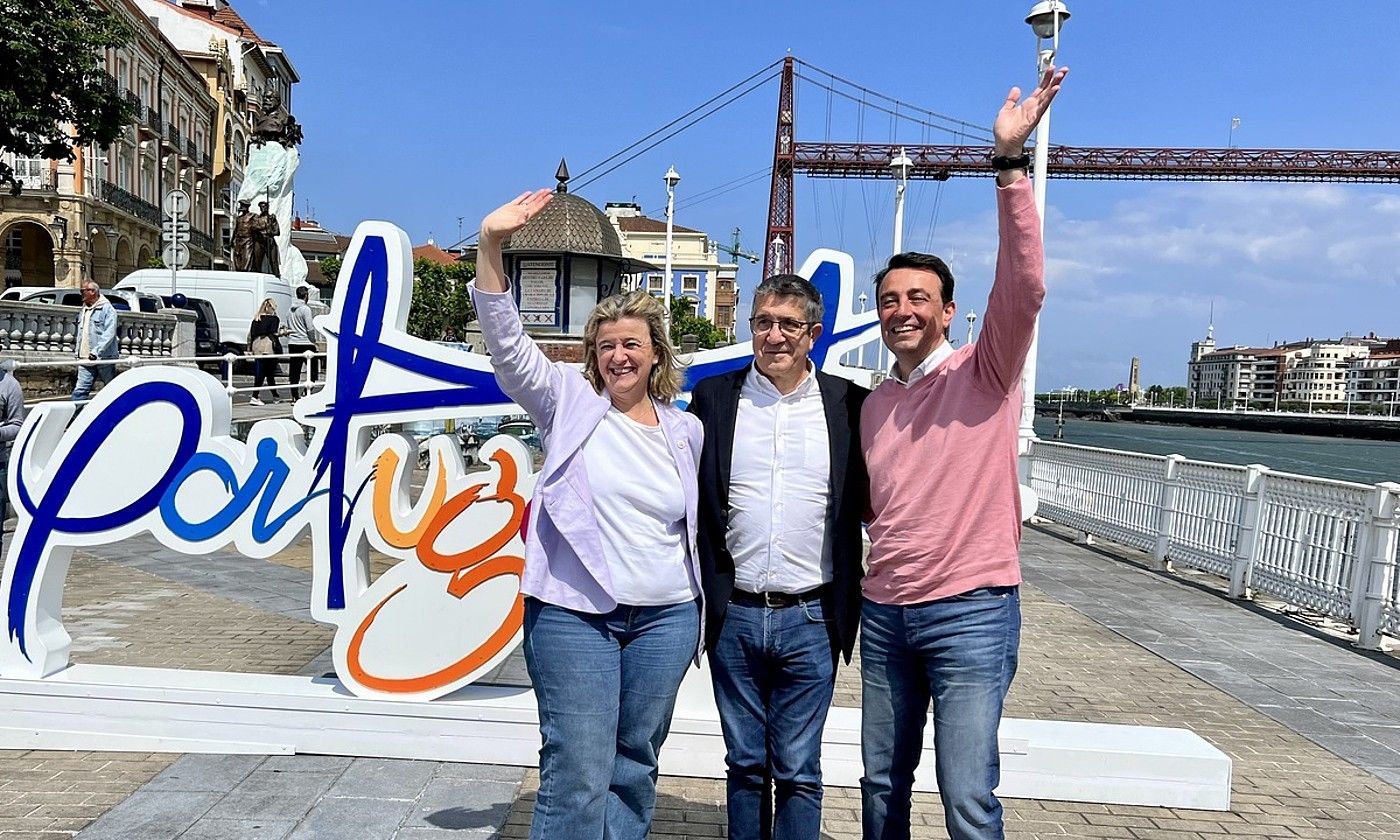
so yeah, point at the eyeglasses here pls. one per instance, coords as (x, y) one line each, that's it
(790, 327)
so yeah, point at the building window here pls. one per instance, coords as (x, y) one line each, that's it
(31, 172)
(690, 284)
(654, 284)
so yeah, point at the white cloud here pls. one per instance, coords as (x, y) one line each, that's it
(1139, 276)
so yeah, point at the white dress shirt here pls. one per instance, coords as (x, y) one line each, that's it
(931, 361)
(779, 487)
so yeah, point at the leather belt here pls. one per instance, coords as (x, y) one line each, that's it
(776, 600)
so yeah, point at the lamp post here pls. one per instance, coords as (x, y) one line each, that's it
(672, 178)
(900, 165)
(971, 319)
(860, 354)
(1045, 19)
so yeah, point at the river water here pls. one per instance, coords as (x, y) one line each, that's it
(1366, 461)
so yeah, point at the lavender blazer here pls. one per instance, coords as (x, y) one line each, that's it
(564, 562)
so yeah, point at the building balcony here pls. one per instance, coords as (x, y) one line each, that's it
(171, 138)
(202, 241)
(130, 204)
(42, 183)
(150, 124)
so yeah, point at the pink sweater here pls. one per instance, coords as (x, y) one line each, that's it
(942, 452)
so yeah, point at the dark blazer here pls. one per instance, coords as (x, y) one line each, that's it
(716, 402)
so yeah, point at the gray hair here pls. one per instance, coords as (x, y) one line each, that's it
(791, 285)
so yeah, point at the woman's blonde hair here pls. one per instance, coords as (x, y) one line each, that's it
(269, 307)
(664, 384)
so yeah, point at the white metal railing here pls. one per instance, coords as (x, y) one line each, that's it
(1328, 546)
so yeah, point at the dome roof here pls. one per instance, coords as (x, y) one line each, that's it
(570, 224)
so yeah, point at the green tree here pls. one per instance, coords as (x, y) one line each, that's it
(441, 304)
(54, 92)
(684, 322)
(330, 268)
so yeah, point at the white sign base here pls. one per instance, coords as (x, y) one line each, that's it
(103, 707)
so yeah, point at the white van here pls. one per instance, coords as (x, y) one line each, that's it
(236, 295)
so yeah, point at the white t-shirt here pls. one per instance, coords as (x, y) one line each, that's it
(640, 506)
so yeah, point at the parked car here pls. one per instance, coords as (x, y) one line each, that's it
(64, 296)
(206, 324)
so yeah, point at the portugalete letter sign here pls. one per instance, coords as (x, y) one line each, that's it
(153, 453)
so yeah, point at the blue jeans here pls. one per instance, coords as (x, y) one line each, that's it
(86, 374)
(960, 652)
(606, 686)
(774, 671)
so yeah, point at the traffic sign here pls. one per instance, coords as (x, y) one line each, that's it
(177, 203)
(176, 255)
(173, 226)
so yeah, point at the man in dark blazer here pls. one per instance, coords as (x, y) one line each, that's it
(783, 488)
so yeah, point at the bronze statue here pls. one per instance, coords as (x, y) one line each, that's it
(243, 236)
(274, 124)
(264, 229)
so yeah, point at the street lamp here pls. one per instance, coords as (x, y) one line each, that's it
(971, 319)
(1045, 19)
(860, 354)
(900, 165)
(672, 178)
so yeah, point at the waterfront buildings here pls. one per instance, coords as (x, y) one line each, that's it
(1315, 371)
(195, 72)
(696, 270)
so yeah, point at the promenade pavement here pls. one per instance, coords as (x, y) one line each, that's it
(1311, 724)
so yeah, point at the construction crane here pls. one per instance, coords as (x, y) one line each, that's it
(736, 251)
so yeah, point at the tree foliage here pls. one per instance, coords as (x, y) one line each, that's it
(684, 322)
(330, 268)
(441, 307)
(54, 92)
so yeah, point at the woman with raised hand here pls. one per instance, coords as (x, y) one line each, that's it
(612, 613)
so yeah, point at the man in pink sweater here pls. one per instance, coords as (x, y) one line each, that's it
(941, 615)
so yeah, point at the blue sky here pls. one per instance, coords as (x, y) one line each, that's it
(422, 112)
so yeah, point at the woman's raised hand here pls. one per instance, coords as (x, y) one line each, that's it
(512, 216)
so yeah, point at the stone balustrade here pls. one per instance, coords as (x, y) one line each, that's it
(39, 331)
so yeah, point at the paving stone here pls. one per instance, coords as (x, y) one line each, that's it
(335, 818)
(384, 778)
(256, 829)
(461, 804)
(220, 773)
(306, 764)
(151, 815)
(273, 795)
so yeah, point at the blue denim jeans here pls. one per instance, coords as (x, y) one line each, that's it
(959, 652)
(774, 671)
(606, 686)
(86, 374)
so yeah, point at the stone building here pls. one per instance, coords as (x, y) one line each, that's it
(194, 70)
(697, 271)
(238, 66)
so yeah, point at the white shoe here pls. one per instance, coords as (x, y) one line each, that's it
(255, 401)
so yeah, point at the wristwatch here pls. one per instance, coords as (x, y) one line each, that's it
(1002, 163)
